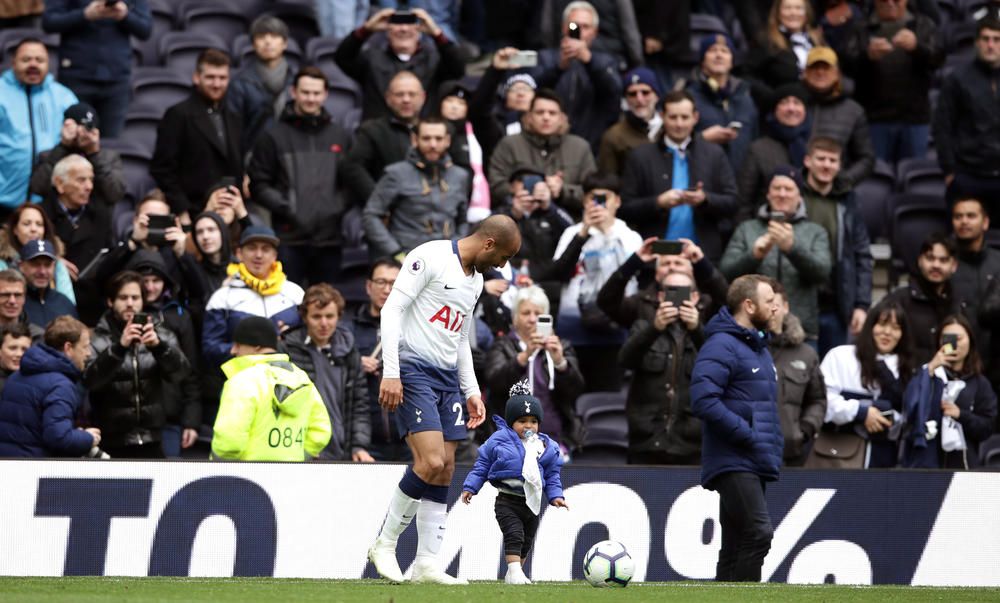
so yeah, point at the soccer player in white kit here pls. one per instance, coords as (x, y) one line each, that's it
(427, 375)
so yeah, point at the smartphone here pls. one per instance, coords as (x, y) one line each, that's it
(600, 199)
(161, 221)
(544, 325)
(574, 30)
(949, 341)
(677, 295)
(778, 216)
(734, 125)
(530, 180)
(524, 58)
(225, 182)
(888, 415)
(403, 17)
(664, 247)
(140, 318)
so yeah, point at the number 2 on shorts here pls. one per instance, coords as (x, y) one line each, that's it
(457, 407)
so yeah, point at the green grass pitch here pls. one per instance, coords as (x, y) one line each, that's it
(272, 590)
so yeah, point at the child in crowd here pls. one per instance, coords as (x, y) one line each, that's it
(524, 466)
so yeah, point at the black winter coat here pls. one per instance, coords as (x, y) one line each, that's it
(377, 143)
(649, 172)
(659, 401)
(925, 310)
(190, 158)
(374, 65)
(967, 121)
(841, 118)
(340, 382)
(293, 173)
(127, 396)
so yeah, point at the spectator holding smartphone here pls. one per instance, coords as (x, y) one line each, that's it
(661, 349)
(950, 404)
(133, 359)
(548, 362)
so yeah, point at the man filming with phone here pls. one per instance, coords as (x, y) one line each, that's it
(374, 65)
(661, 350)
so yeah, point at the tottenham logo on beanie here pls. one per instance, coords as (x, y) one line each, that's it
(522, 403)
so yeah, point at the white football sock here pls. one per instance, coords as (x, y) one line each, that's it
(431, 518)
(402, 509)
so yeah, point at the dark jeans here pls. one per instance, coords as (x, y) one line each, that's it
(894, 141)
(171, 442)
(109, 99)
(306, 265)
(746, 526)
(832, 332)
(986, 189)
(517, 523)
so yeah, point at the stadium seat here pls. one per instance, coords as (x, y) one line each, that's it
(915, 217)
(159, 87)
(989, 452)
(180, 49)
(243, 48)
(873, 195)
(920, 176)
(321, 48)
(140, 125)
(226, 22)
(164, 19)
(10, 38)
(300, 19)
(599, 402)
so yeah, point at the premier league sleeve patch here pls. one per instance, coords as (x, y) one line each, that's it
(415, 266)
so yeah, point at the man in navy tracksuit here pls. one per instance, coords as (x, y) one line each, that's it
(734, 392)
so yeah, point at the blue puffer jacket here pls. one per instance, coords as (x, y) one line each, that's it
(38, 406)
(24, 131)
(734, 391)
(502, 457)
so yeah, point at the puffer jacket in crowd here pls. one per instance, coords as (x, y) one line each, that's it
(39, 405)
(341, 383)
(414, 202)
(720, 107)
(30, 122)
(733, 391)
(836, 116)
(294, 174)
(801, 390)
(377, 143)
(127, 397)
(802, 270)
(659, 401)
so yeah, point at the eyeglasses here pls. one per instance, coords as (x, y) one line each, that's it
(639, 92)
(382, 282)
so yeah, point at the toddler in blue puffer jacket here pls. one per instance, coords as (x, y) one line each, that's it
(524, 466)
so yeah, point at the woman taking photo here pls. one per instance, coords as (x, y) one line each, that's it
(949, 404)
(864, 394)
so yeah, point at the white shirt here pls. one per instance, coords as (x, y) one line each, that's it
(601, 255)
(842, 374)
(430, 313)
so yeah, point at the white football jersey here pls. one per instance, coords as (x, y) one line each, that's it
(444, 298)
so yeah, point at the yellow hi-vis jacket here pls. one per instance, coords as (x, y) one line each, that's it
(269, 411)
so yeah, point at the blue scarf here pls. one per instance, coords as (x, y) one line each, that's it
(795, 138)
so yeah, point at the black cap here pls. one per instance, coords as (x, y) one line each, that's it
(256, 331)
(38, 248)
(258, 233)
(83, 114)
(522, 404)
(788, 172)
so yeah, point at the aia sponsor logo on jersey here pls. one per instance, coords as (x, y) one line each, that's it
(451, 320)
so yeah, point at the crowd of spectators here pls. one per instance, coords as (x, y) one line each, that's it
(650, 153)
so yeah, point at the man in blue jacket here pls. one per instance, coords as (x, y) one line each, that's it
(32, 104)
(40, 401)
(95, 51)
(734, 391)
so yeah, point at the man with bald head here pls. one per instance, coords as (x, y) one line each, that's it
(384, 140)
(427, 374)
(32, 104)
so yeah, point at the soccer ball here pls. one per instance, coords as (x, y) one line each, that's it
(608, 564)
